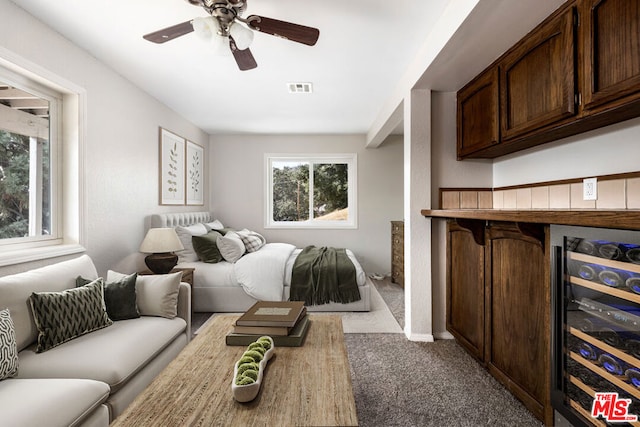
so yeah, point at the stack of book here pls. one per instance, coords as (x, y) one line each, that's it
(286, 322)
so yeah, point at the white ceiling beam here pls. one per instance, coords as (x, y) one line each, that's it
(16, 121)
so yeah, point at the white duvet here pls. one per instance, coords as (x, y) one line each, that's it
(262, 274)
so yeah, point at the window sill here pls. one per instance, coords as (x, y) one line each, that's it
(36, 254)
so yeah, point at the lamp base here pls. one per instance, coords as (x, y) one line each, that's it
(161, 263)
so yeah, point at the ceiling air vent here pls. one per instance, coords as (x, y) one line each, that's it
(300, 87)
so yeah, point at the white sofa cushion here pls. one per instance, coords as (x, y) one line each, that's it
(111, 355)
(15, 290)
(50, 402)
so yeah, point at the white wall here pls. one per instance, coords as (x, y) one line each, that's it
(446, 171)
(237, 179)
(609, 150)
(121, 144)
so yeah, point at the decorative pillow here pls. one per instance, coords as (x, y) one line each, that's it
(188, 254)
(207, 248)
(231, 246)
(215, 225)
(156, 294)
(63, 316)
(252, 240)
(119, 297)
(8, 346)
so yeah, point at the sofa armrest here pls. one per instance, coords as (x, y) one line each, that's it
(184, 306)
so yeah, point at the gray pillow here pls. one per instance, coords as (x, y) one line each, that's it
(231, 246)
(119, 297)
(63, 316)
(207, 248)
(8, 347)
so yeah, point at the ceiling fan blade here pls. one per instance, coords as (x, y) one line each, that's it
(169, 33)
(244, 58)
(287, 30)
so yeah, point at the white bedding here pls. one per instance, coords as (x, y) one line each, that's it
(262, 274)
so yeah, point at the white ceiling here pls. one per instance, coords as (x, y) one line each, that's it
(365, 46)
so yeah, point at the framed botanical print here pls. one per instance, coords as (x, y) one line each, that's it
(194, 174)
(172, 168)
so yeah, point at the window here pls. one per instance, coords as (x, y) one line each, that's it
(37, 220)
(27, 151)
(311, 191)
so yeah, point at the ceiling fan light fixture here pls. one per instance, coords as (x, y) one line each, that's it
(242, 35)
(204, 28)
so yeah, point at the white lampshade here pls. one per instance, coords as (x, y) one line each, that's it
(241, 35)
(161, 240)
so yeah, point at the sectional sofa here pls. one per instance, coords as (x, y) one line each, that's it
(88, 379)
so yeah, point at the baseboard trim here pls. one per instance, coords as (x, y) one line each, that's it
(443, 336)
(419, 337)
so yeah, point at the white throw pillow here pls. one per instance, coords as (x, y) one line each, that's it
(156, 294)
(188, 254)
(215, 225)
(231, 246)
(8, 347)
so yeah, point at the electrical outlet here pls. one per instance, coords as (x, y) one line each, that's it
(589, 189)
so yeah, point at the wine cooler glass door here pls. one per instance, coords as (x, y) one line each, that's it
(596, 360)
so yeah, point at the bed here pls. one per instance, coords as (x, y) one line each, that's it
(226, 287)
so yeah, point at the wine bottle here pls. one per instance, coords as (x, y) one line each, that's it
(633, 283)
(588, 351)
(590, 272)
(632, 346)
(633, 255)
(611, 364)
(613, 277)
(633, 375)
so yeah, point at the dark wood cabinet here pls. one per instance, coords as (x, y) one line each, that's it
(577, 71)
(465, 285)
(478, 106)
(610, 30)
(518, 313)
(537, 81)
(498, 304)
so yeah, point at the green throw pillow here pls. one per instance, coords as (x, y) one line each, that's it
(207, 248)
(63, 316)
(119, 297)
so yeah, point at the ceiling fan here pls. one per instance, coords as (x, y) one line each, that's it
(225, 27)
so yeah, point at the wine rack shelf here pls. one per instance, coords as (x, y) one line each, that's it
(591, 392)
(605, 262)
(616, 292)
(613, 379)
(606, 347)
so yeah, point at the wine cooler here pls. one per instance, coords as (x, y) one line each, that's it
(596, 326)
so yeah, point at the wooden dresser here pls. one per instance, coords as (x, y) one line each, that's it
(397, 252)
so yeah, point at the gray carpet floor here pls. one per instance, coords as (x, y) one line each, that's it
(397, 382)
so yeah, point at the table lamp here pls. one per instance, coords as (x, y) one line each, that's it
(160, 243)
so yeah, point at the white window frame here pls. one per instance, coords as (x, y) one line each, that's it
(67, 134)
(351, 159)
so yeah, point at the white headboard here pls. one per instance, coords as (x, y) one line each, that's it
(183, 219)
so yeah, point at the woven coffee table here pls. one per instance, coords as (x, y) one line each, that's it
(302, 386)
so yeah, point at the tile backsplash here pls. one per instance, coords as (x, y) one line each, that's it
(615, 192)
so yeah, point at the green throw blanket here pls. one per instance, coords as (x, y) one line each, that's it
(323, 275)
